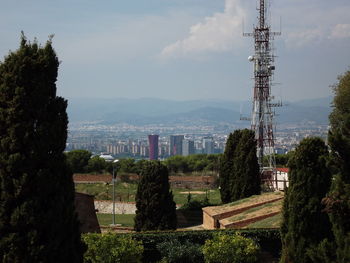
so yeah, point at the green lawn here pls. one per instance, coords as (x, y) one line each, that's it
(123, 191)
(126, 192)
(124, 219)
(270, 222)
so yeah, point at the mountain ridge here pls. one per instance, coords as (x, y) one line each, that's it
(156, 111)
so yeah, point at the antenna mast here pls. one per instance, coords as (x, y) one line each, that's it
(262, 114)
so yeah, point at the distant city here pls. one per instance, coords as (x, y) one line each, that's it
(123, 128)
(163, 141)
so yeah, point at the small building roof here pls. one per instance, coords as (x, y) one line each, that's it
(283, 170)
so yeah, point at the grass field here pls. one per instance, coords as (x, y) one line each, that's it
(270, 222)
(126, 192)
(124, 219)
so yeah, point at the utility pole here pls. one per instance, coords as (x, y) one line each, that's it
(114, 179)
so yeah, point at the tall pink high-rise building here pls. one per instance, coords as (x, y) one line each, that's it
(153, 146)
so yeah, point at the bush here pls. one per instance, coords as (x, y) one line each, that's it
(174, 251)
(195, 205)
(234, 249)
(112, 248)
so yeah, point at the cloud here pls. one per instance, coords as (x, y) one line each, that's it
(220, 32)
(303, 38)
(340, 31)
(313, 22)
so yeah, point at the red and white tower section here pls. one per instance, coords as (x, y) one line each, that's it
(262, 117)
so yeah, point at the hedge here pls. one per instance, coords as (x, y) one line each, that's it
(269, 240)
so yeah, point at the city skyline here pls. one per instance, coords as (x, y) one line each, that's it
(182, 50)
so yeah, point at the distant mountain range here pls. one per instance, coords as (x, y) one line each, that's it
(156, 111)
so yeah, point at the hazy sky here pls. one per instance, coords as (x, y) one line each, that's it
(182, 49)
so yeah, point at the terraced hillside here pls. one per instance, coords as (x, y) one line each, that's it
(247, 212)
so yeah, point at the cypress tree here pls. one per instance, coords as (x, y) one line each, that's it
(37, 216)
(239, 168)
(246, 180)
(304, 225)
(338, 200)
(155, 208)
(226, 166)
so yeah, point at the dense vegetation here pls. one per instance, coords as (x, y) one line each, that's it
(338, 200)
(308, 235)
(239, 168)
(110, 248)
(193, 163)
(37, 215)
(155, 207)
(225, 248)
(81, 161)
(174, 246)
(305, 225)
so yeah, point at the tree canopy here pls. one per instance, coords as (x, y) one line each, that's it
(239, 168)
(156, 209)
(37, 215)
(305, 225)
(78, 160)
(338, 200)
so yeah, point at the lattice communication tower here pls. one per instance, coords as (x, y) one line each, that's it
(262, 118)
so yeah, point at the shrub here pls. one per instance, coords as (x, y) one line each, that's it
(112, 248)
(174, 251)
(234, 249)
(195, 205)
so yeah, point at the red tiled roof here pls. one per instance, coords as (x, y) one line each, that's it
(283, 170)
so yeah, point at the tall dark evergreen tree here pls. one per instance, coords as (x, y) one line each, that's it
(37, 216)
(305, 225)
(239, 168)
(246, 180)
(156, 209)
(226, 166)
(338, 200)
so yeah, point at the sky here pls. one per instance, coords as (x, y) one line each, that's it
(182, 49)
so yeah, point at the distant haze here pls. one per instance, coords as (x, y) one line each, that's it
(158, 111)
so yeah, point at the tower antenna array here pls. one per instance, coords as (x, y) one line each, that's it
(262, 114)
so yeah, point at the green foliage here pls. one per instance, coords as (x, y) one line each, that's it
(246, 181)
(37, 215)
(193, 163)
(304, 224)
(230, 249)
(154, 200)
(96, 164)
(110, 248)
(281, 159)
(127, 165)
(195, 205)
(338, 200)
(268, 239)
(174, 251)
(78, 160)
(239, 169)
(226, 167)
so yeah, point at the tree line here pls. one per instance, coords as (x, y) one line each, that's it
(81, 161)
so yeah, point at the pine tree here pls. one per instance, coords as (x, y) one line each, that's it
(37, 216)
(155, 208)
(246, 180)
(304, 225)
(338, 200)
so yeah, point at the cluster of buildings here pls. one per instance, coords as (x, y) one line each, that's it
(156, 147)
